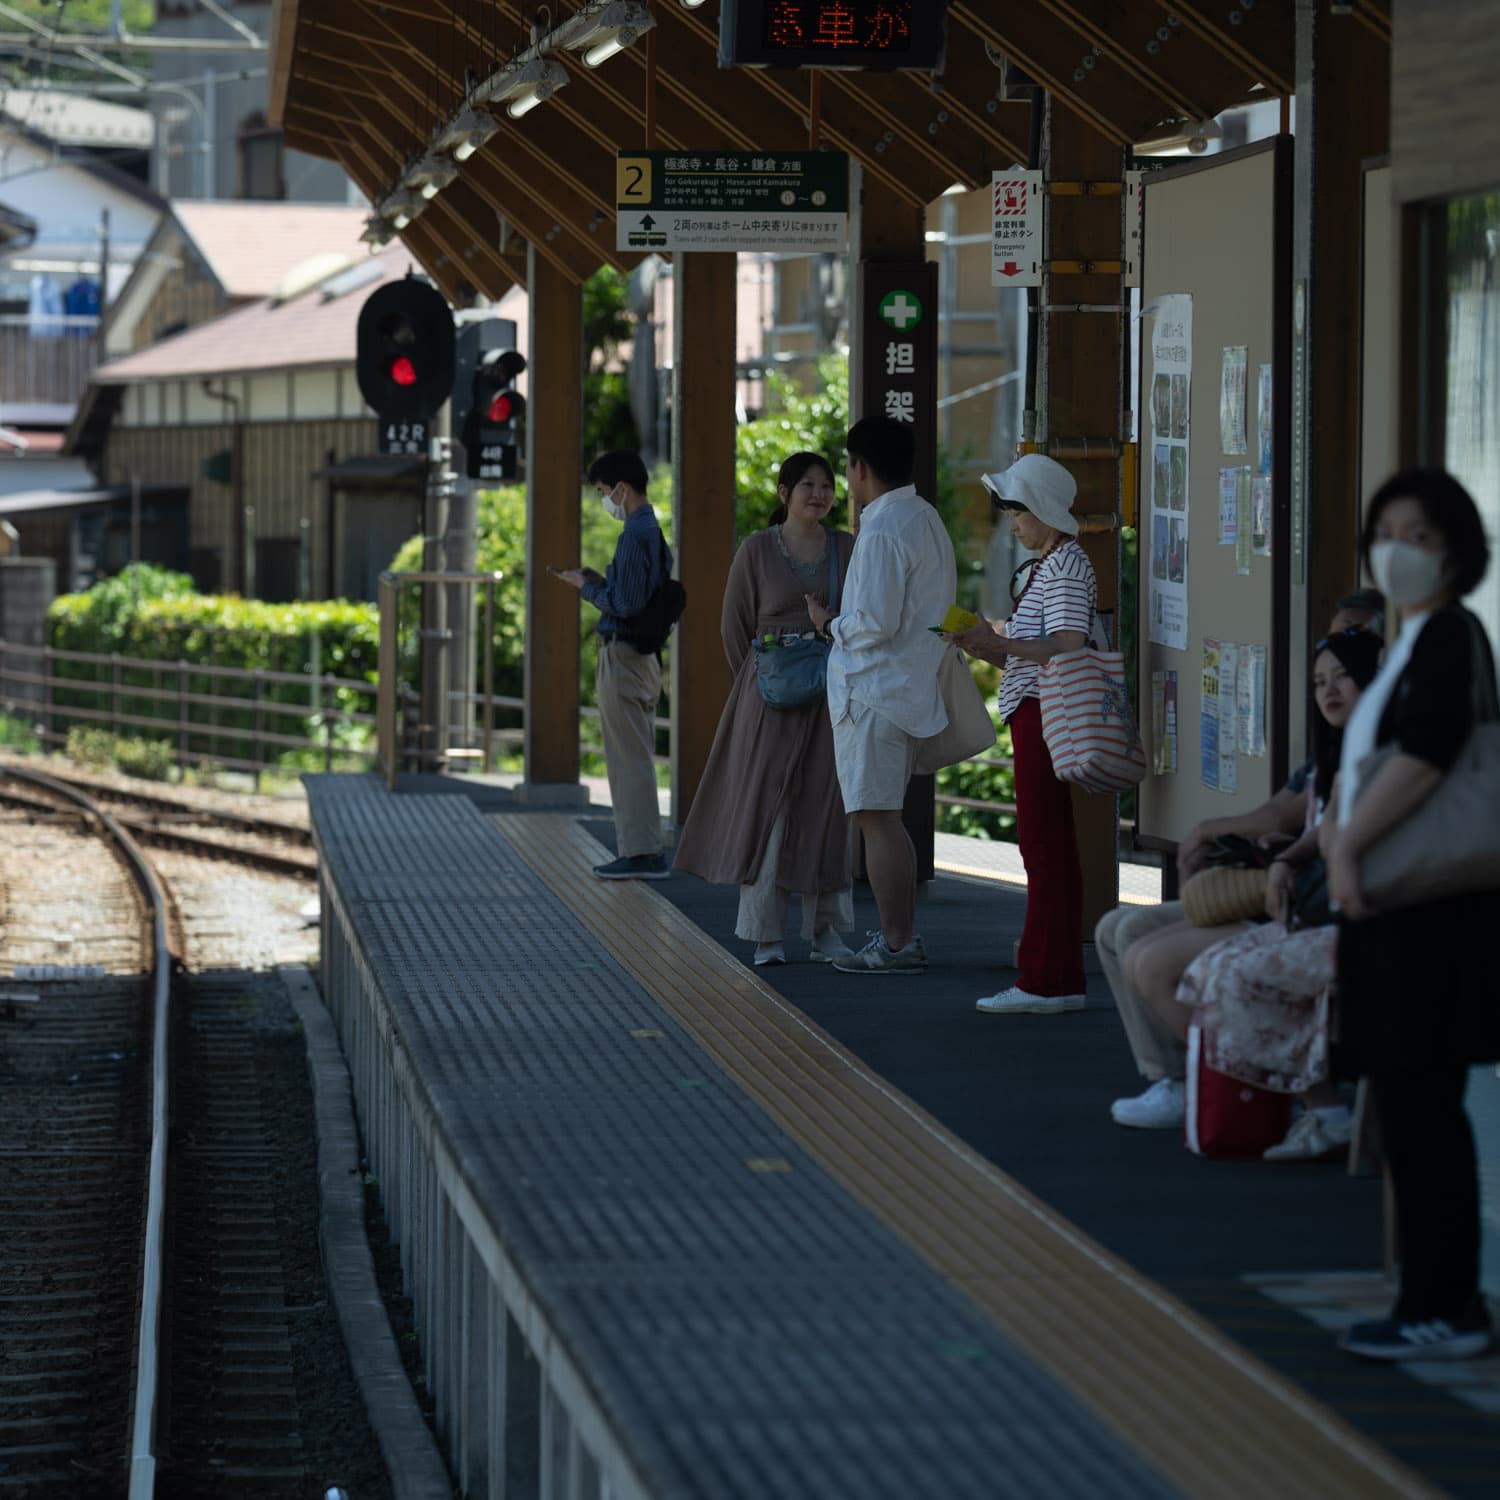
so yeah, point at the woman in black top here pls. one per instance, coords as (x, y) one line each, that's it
(1416, 1006)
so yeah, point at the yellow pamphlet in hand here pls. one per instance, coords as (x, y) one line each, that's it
(958, 619)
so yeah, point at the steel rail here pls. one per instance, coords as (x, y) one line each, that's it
(148, 1337)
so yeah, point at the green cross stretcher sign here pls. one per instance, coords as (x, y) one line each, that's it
(901, 309)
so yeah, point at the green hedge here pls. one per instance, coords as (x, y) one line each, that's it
(150, 614)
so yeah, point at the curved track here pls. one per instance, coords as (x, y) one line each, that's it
(82, 1189)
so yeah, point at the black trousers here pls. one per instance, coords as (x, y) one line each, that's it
(1430, 1150)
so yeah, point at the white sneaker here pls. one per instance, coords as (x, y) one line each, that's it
(769, 953)
(1162, 1107)
(1316, 1135)
(1016, 1001)
(828, 945)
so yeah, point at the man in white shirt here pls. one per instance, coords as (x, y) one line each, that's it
(883, 673)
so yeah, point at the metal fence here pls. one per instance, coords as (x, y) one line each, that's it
(208, 714)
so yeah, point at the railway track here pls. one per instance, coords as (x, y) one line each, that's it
(161, 822)
(164, 1330)
(82, 1170)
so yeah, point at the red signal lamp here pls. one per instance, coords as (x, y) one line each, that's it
(501, 409)
(403, 371)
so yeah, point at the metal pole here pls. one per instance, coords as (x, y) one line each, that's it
(460, 547)
(135, 516)
(433, 736)
(489, 674)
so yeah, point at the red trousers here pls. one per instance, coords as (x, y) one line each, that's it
(1052, 939)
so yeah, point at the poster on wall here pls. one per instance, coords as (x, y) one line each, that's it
(1164, 723)
(1171, 392)
(1260, 515)
(1263, 418)
(1232, 374)
(1208, 716)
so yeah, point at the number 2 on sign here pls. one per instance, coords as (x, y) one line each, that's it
(632, 181)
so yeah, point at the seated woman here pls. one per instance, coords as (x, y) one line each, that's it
(1154, 966)
(768, 816)
(1261, 997)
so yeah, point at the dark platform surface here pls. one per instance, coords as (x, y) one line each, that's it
(1032, 1093)
(752, 1333)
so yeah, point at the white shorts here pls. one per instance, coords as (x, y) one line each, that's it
(874, 760)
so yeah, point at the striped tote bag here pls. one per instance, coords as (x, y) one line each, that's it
(1087, 720)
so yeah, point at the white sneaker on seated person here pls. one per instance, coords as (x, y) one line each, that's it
(1016, 1001)
(1316, 1135)
(1162, 1107)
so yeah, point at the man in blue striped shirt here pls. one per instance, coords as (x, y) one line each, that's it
(628, 677)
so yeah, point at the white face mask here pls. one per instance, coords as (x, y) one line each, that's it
(613, 508)
(1407, 575)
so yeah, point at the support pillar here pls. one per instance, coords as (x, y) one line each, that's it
(1343, 120)
(1081, 395)
(554, 438)
(889, 236)
(704, 294)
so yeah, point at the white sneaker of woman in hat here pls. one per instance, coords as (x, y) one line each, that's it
(1055, 594)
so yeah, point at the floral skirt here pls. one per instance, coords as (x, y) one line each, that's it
(1262, 1004)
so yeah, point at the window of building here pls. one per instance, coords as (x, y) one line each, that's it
(1471, 402)
(261, 166)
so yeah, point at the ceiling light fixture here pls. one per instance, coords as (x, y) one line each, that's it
(466, 132)
(605, 29)
(401, 207)
(539, 75)
(430, 174)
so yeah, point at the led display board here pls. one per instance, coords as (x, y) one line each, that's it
(831, 33)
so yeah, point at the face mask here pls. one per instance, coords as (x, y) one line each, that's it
(1405, 574)
(612, 507)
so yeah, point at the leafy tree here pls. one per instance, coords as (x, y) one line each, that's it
(87, 15)
(607, 325)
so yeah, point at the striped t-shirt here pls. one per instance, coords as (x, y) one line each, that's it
(1063, 595)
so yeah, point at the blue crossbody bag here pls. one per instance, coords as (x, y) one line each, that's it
(792, 674)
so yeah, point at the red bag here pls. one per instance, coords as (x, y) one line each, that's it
(1227, 1118)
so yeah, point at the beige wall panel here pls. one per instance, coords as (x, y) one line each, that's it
(315, 394)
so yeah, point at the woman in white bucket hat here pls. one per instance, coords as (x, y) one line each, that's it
(1056, 594)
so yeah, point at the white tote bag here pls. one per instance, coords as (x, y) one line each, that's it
(1087, 720)
(970, 729)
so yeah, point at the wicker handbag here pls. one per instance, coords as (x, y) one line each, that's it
(1214, 897)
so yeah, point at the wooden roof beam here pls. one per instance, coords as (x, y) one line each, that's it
(434, 260)
(1112, 102)
(1260, 40)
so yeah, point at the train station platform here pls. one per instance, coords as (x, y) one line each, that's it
(698, 1230)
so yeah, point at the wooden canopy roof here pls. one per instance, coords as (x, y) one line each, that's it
(364, 82)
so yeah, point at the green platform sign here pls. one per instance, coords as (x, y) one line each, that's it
(796, 202)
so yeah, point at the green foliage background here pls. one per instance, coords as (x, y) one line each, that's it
(153, 614)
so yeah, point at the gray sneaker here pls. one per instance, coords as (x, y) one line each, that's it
(876, 958)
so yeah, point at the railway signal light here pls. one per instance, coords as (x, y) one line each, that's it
(404, 357)
(487, 407)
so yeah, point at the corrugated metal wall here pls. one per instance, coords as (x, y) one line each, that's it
(280, 460)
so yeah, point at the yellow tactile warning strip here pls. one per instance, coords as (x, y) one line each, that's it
(1202, 1411)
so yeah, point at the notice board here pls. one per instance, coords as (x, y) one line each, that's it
(1214, 514)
